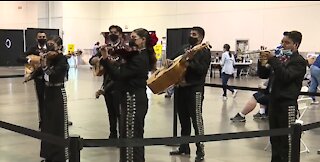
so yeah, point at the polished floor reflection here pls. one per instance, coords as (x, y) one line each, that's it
(18, 105)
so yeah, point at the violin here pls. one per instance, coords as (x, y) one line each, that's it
(124, 51)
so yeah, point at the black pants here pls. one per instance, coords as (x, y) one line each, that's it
(281, 116)
(55, 122)
(112, 100)
(188, 102)
(39, 85)
(134, 107)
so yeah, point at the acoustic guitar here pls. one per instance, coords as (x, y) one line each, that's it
(165, 77)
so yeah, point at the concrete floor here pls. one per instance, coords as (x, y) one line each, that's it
(18, 105)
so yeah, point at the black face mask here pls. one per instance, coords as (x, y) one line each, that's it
(192, 41)
(42, 41)
(113, 37)
(132, 43)
(50, 48)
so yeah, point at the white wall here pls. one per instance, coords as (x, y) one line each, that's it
(261, 22)
(14, 18)
(82, 22)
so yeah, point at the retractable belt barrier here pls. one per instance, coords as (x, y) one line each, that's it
(11, 76)
(35, 134)
(255, 89)
(135, 142)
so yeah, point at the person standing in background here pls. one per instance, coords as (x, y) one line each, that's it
(26, 58)
(227, 63)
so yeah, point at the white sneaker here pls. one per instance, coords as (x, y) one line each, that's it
(234, 94)
(225, 98)
(314, 102)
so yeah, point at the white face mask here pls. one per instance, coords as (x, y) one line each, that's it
(286, 52)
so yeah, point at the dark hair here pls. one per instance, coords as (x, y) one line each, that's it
(295, 36)
(57, 39)
(199, 30)
(40, 31)
(227, 47)
(118, 28)
(152, 55)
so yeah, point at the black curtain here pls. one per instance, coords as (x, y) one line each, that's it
(11, 46)
(176, 38)
(31, 35)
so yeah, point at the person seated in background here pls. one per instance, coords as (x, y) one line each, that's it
(315, 77)
(261, 97)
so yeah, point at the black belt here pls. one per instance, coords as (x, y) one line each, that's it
(54, 84)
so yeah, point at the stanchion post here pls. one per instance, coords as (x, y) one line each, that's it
(175, 120)
(295, 142)
(74, 148)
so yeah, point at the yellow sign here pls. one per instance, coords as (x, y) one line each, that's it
(70, 48)
(158, 50)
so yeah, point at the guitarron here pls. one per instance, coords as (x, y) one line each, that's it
(164, 77)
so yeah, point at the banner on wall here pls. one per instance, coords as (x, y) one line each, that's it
(158, 50)
(11, 47)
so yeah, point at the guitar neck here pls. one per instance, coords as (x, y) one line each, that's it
(189, 55)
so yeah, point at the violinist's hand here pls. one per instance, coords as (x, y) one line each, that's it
(105, 47)
(52, 54)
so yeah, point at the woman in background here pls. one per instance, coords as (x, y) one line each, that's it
(227, 64)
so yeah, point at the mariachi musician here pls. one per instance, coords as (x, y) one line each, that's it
(30, 57)
(132, 76)
(109, 87)
(55, 122)
(188, 96)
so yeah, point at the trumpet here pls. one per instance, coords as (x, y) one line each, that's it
(258, 51)
(262, 55)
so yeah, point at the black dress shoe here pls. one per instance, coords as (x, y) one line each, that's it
(179, 152)
(199, 158)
